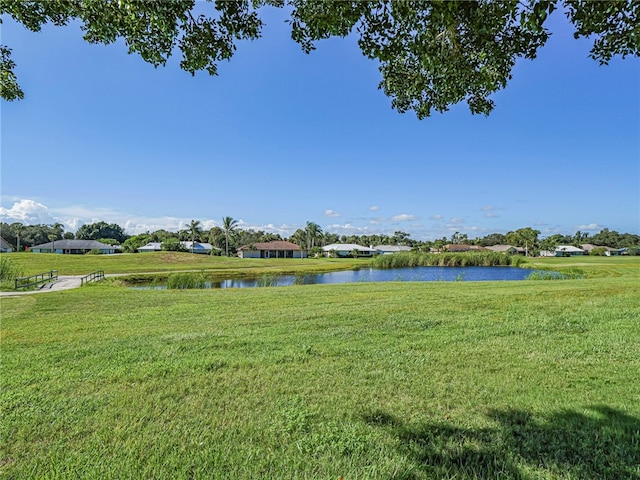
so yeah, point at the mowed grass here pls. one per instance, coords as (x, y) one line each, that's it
(522, 380)
(158, 262)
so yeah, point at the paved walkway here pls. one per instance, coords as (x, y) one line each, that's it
(62, 283)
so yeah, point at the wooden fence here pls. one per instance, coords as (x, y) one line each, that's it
(37, 280)
(92, 277)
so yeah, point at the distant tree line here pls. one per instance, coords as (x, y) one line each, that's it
(228, 237)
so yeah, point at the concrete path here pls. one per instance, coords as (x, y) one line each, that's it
(62, 283)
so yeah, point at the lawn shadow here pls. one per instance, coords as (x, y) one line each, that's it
(599, 443)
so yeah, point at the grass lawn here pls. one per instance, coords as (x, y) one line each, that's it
(464, 380)
(158, 262)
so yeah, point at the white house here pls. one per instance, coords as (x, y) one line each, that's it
(198, 247)
(150, 247)
(567, 251)
(346, 250)
(389, 249)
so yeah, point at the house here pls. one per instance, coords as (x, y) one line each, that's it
(346, 250)
(73, 247)
(509, 249)
(274, 249)
(198, 247)
(389, 249)
(205, 248)
(150, 247)
(588, 247)
(568, 251)
(460, 247)
(5, 247)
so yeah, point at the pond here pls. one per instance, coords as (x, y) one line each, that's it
(412, 274)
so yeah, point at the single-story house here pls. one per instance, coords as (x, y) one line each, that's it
(274, 249)
(346, 249)
(568, 251)
(509, 249)
(460, 247)
(150, 247)
(5, 247)
(389, 249)
(588, 247)
(198, 247)
(73, 247)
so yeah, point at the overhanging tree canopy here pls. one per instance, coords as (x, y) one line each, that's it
(431, 54)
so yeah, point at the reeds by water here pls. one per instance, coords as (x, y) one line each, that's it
(187, 280)
(462, 259)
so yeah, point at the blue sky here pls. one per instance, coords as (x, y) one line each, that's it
(280, 138)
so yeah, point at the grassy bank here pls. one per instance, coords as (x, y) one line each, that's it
(392, 380)
(139, 263)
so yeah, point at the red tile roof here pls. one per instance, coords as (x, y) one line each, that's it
(275, 245)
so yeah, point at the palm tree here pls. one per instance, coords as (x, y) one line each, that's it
(52, 238)
(229, 224)
(314, 232)
(194, 228)
(299, 237)
(18, 230)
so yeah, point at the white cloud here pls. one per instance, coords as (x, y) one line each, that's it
(374, 208)
(435, 217)
(592, 227)
(331, 213)
(28, 212)
(403, 217)
(347, 229)
(488, 208)
(456, 221)
(491, 215)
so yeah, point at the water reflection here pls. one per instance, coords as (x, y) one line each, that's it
(414, 274)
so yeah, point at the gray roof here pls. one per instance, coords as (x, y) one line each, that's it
(505, 248)
(568, 248)
(151, 246)
(198, 246)
(4, 244)
(392, 248)
(74, 245)
(346, 247)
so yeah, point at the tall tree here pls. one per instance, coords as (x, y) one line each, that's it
(229, 225)
(524, 237)
(491, 239)
(459, 238)
(551, 242)
(401, 238)
(299, 237)
(313, 233)
(18, 230)
(94, 231)
(216, 237)
(195, 230)
(431, 54)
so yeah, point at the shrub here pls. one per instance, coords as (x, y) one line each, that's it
(9, 271)
(172, 245)
(188, 280)
(268, 280)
